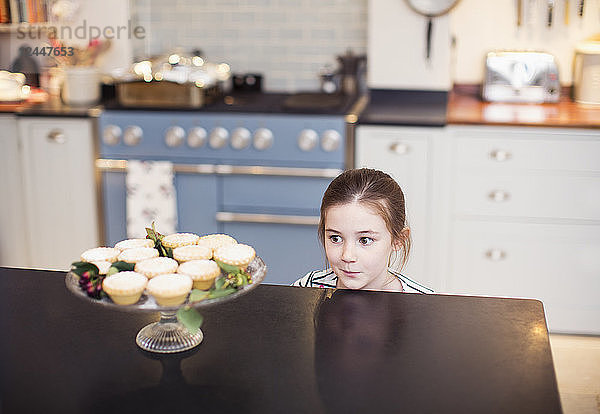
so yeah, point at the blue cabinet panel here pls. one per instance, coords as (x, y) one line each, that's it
(288, 251)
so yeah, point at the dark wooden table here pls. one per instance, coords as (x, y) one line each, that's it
(276, 350)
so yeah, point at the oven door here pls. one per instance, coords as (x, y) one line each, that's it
(276, 210)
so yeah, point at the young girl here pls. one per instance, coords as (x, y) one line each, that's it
(363, 228)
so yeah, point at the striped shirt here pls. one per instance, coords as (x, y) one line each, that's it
(328, 279)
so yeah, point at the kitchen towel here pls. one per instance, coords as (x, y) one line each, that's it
(151, 197)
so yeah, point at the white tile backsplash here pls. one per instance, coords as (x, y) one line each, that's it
(285, 40)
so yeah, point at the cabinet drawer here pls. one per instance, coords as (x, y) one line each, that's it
(541, 196)
(557, 264)
(497, 150)
(271, 194)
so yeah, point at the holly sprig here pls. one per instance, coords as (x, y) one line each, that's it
(90, 279)
(156, 237)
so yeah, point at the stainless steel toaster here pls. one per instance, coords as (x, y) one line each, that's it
(520, 76)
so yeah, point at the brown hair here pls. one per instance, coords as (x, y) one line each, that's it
(378, 191)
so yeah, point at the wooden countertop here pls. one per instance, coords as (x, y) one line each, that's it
(466, 107)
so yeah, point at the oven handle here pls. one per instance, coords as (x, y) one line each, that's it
(121, 165)
(227, 217)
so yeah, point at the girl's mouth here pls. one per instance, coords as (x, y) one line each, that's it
(349, 274)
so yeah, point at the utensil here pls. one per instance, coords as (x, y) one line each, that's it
(580, 8)
(519, 12)
(431, 9)
(567, 8)
(550, 12)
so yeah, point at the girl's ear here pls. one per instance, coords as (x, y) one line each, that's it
(404, 236)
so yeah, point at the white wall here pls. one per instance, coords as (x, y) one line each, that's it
(483, 25)
(397, 45)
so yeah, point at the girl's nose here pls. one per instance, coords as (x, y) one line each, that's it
(348, 253)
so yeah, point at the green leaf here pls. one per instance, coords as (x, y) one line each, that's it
(221, 292)
(227, 268)
(80, 268)
(150, 234)
(197, 295)
(111, 271)
(190, 318)
(123, 266)
(219, 283)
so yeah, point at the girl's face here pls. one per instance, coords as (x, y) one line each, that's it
(358, 246)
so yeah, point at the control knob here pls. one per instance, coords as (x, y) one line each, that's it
(174, 136)
(240, 138)
(132, 135)
(218, 138)
(196, 137)
(111, 135)
(330, 140)
(308, 139)
(263, 139)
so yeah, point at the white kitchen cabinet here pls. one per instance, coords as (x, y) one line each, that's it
(524, 219)
(406, 154)
(13, 251)
(57, 157)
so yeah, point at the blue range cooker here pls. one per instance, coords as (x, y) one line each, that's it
(249, 166)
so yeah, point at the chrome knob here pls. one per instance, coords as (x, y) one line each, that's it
(57, 136)
(218, 138)
(495, 255)
(240, 138)
(330, 140)
(399, 148)
(308, 139)
(263, 138)
(132, 135)
(196, 137)
(111, 135)
(174, 136)
(499, 196)
(500, 155)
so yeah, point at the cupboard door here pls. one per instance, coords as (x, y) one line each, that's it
(13, 243)
(555, 263)
(60, 189)
(403, 153)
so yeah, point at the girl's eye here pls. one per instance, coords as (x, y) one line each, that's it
(365, 241)
(335, 238)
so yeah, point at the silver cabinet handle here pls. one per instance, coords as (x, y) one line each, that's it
(500, 155)
(57, 136)
(499, 196)
(223, 216)
(495, 255)
(399, 148)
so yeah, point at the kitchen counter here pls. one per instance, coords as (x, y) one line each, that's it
(55, 107)
(255, 102)
(277, 349)
(466, 107)
(405, 107)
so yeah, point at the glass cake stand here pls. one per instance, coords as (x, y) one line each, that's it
(168, 335)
